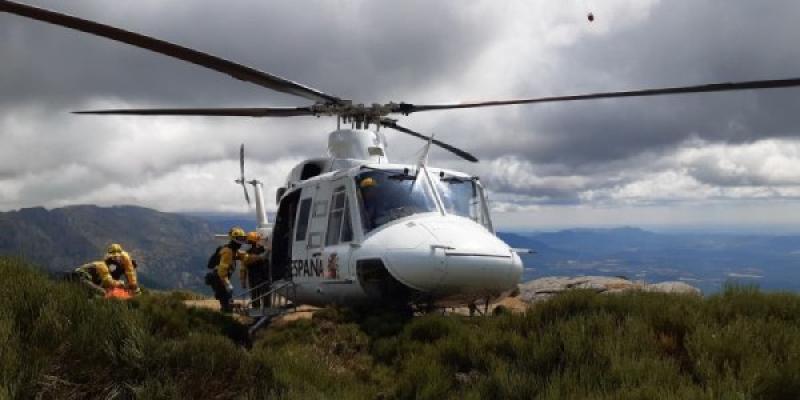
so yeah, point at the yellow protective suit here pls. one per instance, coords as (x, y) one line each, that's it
(100, 275)
(226, 266)
(254, 258)
(123, 260)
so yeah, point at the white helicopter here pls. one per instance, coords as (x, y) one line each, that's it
(353, 227)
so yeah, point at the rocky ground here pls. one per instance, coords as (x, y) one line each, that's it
(545, 288)
(530, 292)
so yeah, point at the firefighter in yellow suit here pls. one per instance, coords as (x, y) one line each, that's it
(220, 278)
(97, 273)
(123, 264)
(254, 270)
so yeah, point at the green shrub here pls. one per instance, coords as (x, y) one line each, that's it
(57, 342)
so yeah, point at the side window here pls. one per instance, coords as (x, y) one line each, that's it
(302, 220)
(347, 229)
(339, 228)
(320, 208)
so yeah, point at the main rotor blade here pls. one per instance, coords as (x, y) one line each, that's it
(405, 108)
(220, 112)
(455, 150)
(238, 71)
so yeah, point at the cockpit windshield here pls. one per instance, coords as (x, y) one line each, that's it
(387, 195)
(462, 196)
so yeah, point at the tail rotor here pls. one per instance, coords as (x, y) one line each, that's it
(241, 179)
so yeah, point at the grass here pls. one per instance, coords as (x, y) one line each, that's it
(55, 342)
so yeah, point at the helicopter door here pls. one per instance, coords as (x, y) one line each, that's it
(339, 233)
(283, 235)
(305, 239)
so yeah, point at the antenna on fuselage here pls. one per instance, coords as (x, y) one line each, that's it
(423, 158)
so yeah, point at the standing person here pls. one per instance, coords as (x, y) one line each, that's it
(223, 263)
(255, 268)
(123, 264)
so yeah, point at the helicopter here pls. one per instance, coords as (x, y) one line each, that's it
(352, 226)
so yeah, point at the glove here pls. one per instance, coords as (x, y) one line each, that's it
(229, 287)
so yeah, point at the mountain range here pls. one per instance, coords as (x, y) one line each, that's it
(172, 249)
(705, 260)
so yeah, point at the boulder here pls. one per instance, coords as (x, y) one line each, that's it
(673, 287)
(547, 287)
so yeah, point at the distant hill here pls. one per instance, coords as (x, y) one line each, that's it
(221, 223)
(171, 249)
(705, 260)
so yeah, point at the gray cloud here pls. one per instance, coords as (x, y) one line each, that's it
(679, 43)
(634, 151)
(364, 51)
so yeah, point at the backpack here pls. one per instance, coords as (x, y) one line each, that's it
(213, 261)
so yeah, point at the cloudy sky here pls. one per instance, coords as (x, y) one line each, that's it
(730, 159)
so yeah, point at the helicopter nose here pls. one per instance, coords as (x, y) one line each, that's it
(446, 256)
(479, 274)
(412, 256)
(453, 255)
(476, 261)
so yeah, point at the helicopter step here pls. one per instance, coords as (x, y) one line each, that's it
(267, 301)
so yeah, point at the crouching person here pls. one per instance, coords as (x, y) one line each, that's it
(121, 264)
(97, 276)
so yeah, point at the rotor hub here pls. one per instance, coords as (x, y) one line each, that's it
(349, 112)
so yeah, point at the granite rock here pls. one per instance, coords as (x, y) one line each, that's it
(547, 287)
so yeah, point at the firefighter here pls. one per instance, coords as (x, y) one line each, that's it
(120, 263)
(223, 263)
(371, 203)
(98, 275)
(255, 267)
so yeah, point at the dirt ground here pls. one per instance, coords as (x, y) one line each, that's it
(212, 304)
(302, 312)
(514, 304)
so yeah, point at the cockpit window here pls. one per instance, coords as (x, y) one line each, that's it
(461, 196)
(387, 195)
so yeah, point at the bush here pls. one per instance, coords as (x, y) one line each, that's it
(56, 342)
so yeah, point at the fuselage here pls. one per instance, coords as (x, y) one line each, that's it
(367, 232)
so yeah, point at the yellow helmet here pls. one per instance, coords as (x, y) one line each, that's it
(237, 233)
(253, 237)
(367, 182)
(114, 249)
